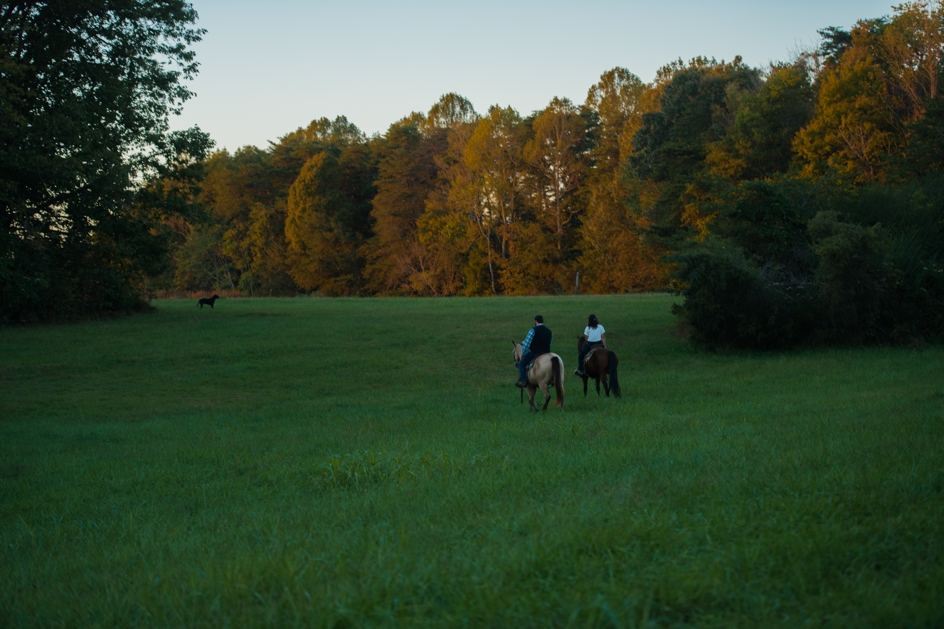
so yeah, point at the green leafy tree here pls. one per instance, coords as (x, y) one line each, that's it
(911, 50)
(86, 94)
(236, 189)
(558, 154)
(760, 141)
(261, 235)
(877, 85)
(451, 262)
(328, 220)
(450, 111)
(545, 231)
(407, 173)
(615, 257)
(246, 193)
(852, 276)
(925, 152)
(172, 200)
(492, 188)
(200, 261)
(852, 132)
(672, 185)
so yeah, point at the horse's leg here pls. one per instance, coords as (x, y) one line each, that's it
(604, 369)
(531, 391)
(547, 394)
(590, 374)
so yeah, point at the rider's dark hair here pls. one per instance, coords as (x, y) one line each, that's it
(539, 318)
(592, 322)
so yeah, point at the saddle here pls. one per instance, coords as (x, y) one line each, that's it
(527, 369)
(593, 350)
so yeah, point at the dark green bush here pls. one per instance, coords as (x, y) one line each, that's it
(911, 219)
(852, 278)
(730, 303)
(871, 270)
(769, 226)
(47, 279)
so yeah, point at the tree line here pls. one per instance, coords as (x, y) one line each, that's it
(448, 202)
(455, 202)
(801, 202)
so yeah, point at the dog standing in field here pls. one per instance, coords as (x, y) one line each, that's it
(208, 301)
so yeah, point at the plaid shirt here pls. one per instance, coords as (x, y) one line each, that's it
(526, 346)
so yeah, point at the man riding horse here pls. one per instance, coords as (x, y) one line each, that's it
(537, 342)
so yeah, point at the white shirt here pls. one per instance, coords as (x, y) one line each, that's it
(594, 335)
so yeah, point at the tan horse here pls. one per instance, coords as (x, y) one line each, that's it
(548, 369)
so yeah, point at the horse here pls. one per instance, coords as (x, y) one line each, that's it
(548, 370)
(208, 301)
(599, 364)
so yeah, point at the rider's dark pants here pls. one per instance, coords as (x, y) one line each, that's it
(586, 348)
(526, 358)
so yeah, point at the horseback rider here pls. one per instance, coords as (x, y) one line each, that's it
(537, 342)
(596, 336)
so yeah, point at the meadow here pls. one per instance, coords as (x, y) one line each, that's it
(367, 463)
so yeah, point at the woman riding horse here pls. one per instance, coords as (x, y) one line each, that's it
(595, 336)
(600, 364)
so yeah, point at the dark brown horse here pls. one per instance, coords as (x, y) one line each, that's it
(600, 365)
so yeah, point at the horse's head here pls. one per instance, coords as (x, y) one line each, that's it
(580, 342)
(517, 351)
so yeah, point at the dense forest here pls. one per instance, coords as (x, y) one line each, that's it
(798, 203)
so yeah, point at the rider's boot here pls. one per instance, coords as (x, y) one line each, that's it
(522, 382)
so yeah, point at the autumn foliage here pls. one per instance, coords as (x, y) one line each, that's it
(796, 203)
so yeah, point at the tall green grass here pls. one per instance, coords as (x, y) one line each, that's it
(348, 463)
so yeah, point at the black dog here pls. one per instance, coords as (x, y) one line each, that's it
(208, 301)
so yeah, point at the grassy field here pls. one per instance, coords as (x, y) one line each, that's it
(360, 463)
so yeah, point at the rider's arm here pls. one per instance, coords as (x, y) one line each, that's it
(603, 338)
(527, 342)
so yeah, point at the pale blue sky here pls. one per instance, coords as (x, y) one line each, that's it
(270, 67)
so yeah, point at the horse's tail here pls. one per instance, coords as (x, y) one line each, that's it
(557, 370)
(614, 381)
